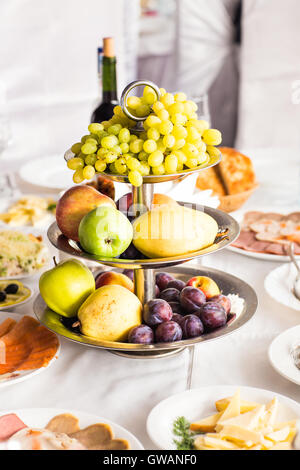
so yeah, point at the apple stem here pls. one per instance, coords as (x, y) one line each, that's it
(54, 261)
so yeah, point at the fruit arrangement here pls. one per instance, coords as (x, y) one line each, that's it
(172, 140)
(109, 230)
(107, 309)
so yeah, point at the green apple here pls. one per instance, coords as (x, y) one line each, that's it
(65, 287)
(105, 231)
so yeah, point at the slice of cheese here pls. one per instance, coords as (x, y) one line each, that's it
(280, 435)
(207, 424)
(233, 409)
(246, 406)
(271, 413)
(219, 444)
(249, 420)
(241, 435)
(199, 444)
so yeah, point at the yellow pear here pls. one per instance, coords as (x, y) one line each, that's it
(173, 230)
(109, 313)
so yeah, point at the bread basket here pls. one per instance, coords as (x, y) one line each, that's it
(233, 202)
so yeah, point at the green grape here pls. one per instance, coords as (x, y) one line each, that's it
(136, 146)
(179, 132)
(133, 102)
(169, 141)
(149, 96)
(202, 158)
(165, 127)
(152, 121)
(158, 170)
(156, 158)
(133, 164)
(212, 137)
(124, 147)
(150, 146)
(178, 119)
(95, 127)
(192, 104)
(84, 137)
(124, 136)
(181, 157)
(111, 157)
(133, 137)
(142, 110)
(117, 149)
(92, 140)
(76, 147)
(106, 124)
(153, 133)
(100, 166)
(190, 150)
(109, 141)
(157, 106)
(181, 97)
(167, 99)
(188, 109)
(135, 178)
(171, 163)
(179, 144)
(161, 146)
(112, 168)
(75, 163)
(88, 148)
(114, 129)
(162, 91)
(163, 115)
(78, 176)
(213, 151)
(88, 172)
(193, 135)
(176, 108)
(121, 166)
(91, 159)
(192, 162)
(118, 111)
(145, 169)
(102, 152)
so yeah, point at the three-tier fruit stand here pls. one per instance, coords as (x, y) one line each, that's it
(144, 269)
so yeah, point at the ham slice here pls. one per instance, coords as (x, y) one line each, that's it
(9, 425)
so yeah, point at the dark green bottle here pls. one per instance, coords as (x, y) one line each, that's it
(109, 83)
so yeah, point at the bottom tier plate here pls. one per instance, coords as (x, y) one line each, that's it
(227, 283)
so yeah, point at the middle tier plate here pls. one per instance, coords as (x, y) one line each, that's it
(225, 222)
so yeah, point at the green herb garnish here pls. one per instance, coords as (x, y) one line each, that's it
(51, 207)
(181, 428)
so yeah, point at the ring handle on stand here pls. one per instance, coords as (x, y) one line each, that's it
(127, 90)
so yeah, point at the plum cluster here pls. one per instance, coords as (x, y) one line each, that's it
(181, 311)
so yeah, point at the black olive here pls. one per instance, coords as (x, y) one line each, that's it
(11, 288)
(2, 296)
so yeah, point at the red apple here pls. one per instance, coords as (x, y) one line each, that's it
(74, 205)
(206, 284)
(111, 277)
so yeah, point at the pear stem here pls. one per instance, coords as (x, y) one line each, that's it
(54, 261)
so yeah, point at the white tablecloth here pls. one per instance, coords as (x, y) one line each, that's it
(125, 390)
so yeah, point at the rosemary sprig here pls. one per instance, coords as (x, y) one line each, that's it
(181, 429)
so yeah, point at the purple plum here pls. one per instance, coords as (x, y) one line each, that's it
(168, 332)
(157, 311)
(222, 300)
(191, 299)
(192, 326)
(162, 280)
(176, 284)
(170, 295)
(141, 334)
(212, 315)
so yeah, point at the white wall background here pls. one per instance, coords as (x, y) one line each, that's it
(48, 63)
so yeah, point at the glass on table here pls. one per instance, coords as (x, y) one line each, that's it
(201, 100)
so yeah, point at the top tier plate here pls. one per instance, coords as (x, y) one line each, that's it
(224, 221)
(151, 179)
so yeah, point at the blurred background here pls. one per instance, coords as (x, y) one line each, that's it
(244, 54)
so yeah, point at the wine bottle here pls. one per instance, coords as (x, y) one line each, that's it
(109, 83)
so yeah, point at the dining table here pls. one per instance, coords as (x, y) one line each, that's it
(125, 390)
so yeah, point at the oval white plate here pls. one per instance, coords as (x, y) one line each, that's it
(6, 203)
(199, 403)
(40, 417)
(20, 376)
(279, 284)
(27, 275)
(8, 307)
(280, 354)
(48, 172)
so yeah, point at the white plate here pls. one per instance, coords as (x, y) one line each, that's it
(199, 403)
(280, 354)
(239, 215)
(40, 417)
(26, 374)
(279, 284)
(48, 172)
(9, 307)
(28, 275)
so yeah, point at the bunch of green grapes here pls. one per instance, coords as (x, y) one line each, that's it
(173, 140)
